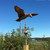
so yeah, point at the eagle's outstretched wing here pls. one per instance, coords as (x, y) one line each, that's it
(33, 14)
(19, 11)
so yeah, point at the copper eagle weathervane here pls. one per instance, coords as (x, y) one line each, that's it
(23, 15)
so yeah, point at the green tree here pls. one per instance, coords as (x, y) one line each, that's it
(12, 41)
(1, 42)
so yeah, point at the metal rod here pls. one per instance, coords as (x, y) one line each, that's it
(25, 22)
(25, 34)
(25, 39)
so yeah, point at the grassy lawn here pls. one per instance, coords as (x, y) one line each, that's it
(39, 45)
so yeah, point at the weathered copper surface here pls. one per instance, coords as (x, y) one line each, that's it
(23, 15)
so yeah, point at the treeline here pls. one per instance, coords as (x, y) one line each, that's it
(16, 39)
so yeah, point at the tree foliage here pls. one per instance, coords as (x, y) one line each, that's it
(12, 41)
(16, 40)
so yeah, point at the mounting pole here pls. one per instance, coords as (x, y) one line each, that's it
(25, 22)
(26, 47)
(25, 33)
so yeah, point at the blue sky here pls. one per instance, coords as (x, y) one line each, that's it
(40, 23)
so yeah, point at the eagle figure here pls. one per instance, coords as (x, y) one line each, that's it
(23, 15)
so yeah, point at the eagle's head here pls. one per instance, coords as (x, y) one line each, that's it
(30, 15)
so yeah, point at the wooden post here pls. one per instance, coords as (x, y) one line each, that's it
(26, 47)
